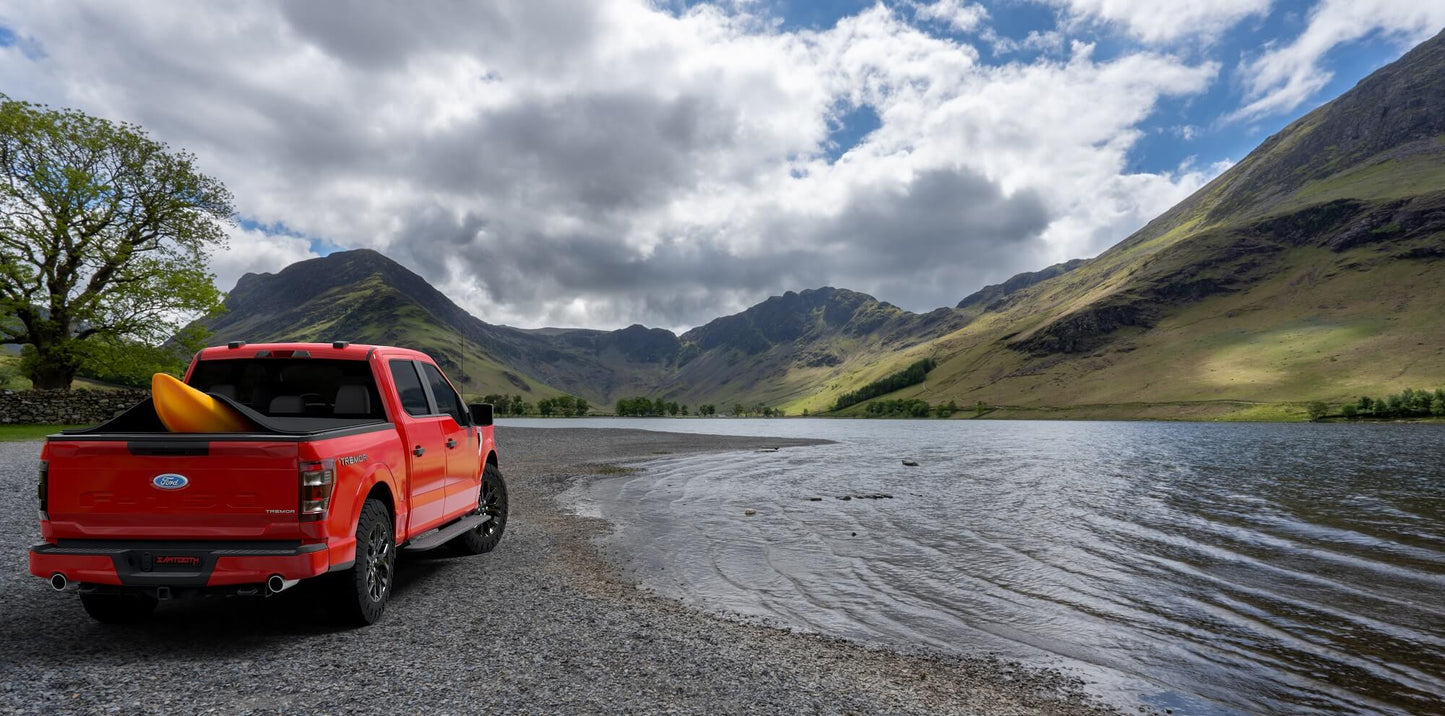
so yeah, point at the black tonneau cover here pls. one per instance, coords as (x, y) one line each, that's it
(142, 418)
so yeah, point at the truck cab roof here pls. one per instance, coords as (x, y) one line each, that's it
(339, 350)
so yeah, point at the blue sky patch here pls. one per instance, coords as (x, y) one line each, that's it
(1195, 130)
(319, 246)
(849, 129)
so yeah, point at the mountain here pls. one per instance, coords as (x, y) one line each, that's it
(774, 352)
(363, 296)
(787, 348)
(1308, 271)
(1311, 270)
(987, 298)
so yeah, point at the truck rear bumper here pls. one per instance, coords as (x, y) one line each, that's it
(150, 563)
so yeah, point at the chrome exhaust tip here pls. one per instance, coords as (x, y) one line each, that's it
(58, 582)
(275, 584)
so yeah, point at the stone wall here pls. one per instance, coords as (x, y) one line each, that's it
(65, 407)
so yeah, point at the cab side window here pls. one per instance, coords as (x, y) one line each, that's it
(447, 400)
(408, 386)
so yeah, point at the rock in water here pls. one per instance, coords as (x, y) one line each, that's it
(910, 463)
(749, 512)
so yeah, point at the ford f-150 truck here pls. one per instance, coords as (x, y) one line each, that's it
(357, 451)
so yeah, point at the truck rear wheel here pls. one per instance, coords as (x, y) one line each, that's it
(118, 608)
(363, 590)
(493, 501)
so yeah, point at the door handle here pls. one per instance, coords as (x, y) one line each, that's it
(418, 451)
(451, 443)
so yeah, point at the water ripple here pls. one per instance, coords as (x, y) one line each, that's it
(1210, 568)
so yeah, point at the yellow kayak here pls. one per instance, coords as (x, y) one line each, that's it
(183, 409)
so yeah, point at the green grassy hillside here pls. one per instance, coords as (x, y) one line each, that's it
(1310, 271)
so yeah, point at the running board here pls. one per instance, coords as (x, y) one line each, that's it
(431, 540)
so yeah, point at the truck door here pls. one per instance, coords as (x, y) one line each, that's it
(463, 465)
(426, 448)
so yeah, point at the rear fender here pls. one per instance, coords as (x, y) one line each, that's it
(343, 548)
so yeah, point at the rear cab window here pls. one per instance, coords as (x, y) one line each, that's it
(294, 387)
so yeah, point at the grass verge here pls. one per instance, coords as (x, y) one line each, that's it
(16, 433)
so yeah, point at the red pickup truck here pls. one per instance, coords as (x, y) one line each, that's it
(358, 451)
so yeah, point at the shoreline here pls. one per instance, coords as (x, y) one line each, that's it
(1204, 412)
(543, 624)
(948, 682)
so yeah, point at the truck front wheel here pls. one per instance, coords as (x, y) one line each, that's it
(118, 608)
(493, 501)
(362, 591)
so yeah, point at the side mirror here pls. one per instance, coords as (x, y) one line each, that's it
(481, 414)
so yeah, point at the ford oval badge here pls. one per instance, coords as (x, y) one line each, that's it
(170, 481)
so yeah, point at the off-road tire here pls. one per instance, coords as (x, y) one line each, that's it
(493, 501)
(118, 608)
(361, 592)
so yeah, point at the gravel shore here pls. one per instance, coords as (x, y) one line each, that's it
(541, 625)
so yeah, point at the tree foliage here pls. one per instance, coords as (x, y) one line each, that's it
(104, 238)
(567, 406)
(900, 408)
(562, 405)
(1408, 403)
(909, 408)
(133, 363)
(643, 407)
(912, 375)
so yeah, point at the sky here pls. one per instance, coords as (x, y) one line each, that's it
(598, 163)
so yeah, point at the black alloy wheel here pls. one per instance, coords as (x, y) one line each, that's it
(492, 501)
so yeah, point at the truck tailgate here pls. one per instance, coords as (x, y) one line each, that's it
(169, 489)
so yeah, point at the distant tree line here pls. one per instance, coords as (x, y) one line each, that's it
(507, 404)
(566, 406)
(643, 407)
(758, 409)
(562, 405)
(1408, 403)
(909, 408)
(912, 375)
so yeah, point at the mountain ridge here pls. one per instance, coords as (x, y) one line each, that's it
(317, 299)
(1305, 272)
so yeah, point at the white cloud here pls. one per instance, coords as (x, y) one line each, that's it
(960, 15)
(255, 251)
(1048, 41)
(1284, 77)
(1161, 21)
(607, 163)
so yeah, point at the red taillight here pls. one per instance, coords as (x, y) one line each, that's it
(43, 489)
(317, 479)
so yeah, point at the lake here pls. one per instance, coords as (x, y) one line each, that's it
(1206, 568)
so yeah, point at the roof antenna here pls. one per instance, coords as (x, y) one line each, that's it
(462, 342)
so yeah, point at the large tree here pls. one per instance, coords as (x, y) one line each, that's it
(105, 235)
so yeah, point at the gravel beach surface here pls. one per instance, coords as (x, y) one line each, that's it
(541, 625)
